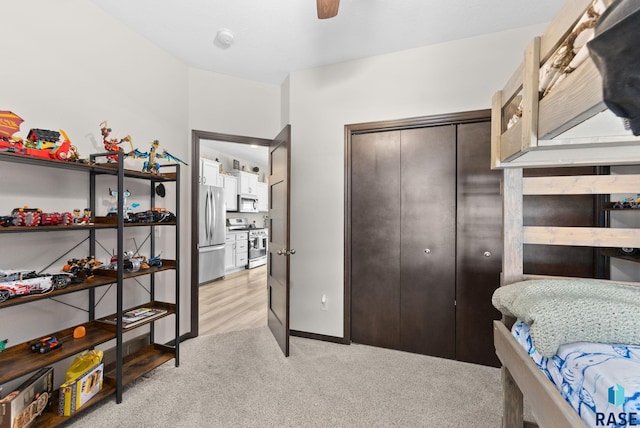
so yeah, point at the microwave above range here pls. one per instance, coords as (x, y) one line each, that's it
(247, 204)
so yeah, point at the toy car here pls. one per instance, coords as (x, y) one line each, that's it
(52, 219)
(37, 285)
(155, 261)
(15, 275)
(26, 216)
(46, 344)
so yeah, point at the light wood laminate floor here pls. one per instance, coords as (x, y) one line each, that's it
(237, 302)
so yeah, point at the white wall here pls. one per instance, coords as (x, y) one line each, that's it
(70, 65)
(446, 78)
(228, 105)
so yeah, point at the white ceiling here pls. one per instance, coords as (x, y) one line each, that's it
(275, 37)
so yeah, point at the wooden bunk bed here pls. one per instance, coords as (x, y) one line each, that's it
(536, 140)
(539, 138)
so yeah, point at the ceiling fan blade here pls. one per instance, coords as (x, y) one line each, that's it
(327, 8)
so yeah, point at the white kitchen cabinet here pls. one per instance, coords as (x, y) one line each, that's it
(231, 192)
(263, 198)
(236, 251)
(210, 173)
(247, 183)
(229, 253)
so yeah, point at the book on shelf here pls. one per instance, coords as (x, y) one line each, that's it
(134, 317)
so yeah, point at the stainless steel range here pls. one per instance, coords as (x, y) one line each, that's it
(258, 240)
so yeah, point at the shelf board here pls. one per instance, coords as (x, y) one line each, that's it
(140, 363)
(18, 360)
(60, 228)
(166, 265)
(102, 277)
(170, 309)
(51, 418)
(97, 281)
(98, 168)
(612, 252)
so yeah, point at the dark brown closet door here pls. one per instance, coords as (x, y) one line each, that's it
(427, 262)
(375, 239)
(479, 245)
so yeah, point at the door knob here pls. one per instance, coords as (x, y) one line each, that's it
(487, 253)
(285, 252)
(427, 251)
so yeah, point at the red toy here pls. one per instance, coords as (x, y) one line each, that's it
(52, 219)
(113, 145)
(26, 216)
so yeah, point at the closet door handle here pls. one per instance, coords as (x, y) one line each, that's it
(487, 253)
(427, 251)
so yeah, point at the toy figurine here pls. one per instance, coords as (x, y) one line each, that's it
(112, 145)
(82, 268)
(152, 165)
(126, 209)
(3, 344)
(84, 218)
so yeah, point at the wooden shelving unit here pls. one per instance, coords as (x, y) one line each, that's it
(18, 360)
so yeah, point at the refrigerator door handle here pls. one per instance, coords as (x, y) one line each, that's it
(212, 248)
(207, 210)
(211, 214)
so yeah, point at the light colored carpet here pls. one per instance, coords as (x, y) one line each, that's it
(241, 379)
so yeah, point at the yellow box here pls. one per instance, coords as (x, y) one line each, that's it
(75, 393)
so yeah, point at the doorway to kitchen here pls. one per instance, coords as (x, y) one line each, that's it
(229, 272)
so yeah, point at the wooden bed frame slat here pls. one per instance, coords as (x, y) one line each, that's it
(513, 85)
(496, 128)
(533, 276)
(561, 25)
(550, 409)
(581, 185)
(511, 142)
(582, 236)
(529, 119)
(577, 98)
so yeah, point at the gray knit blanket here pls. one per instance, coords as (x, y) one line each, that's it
(562, 311)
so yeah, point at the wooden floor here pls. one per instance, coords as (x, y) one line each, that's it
(237, 302)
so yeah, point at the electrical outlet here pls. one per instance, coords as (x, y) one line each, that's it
(324, 304)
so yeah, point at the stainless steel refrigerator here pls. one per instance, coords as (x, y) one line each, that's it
(211, 230)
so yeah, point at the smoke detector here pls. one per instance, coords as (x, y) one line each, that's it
(224, 38)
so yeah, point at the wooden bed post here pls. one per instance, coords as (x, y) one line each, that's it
(513, 402)
(512, 271)
(512, 210)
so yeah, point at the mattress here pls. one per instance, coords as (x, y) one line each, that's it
(600, 381)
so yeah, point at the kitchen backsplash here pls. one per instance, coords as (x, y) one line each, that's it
(259, 218)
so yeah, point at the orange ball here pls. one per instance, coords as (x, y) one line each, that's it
(79, 332)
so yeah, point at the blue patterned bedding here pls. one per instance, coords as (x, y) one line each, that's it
(600, 381)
